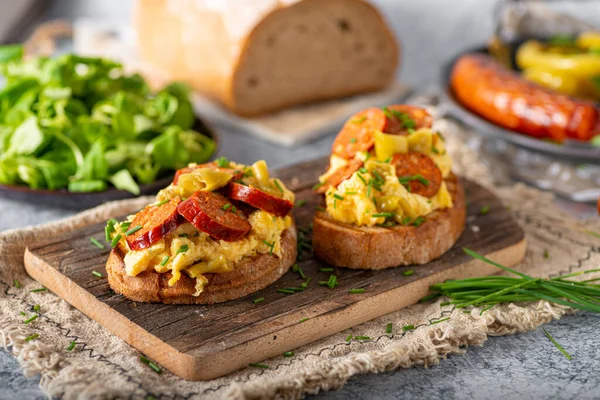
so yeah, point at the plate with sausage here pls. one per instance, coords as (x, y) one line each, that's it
(520, 95)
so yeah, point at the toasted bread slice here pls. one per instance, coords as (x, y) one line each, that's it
(351, 246)
(249, 276)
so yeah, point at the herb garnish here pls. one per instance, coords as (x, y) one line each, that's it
(362, 337)
(164, 261)
(17, 284)
(404, 180)
(388, 328)
(115, 241)
(271, 246)
(278, 185)
(32, 337)
(226, 206)
(71, 346)
(222, 162)
(133, 230)
(353, 140)
(288, 354)
(406, 328)
(383, 215)
(484, 210)
(96, 243)
(38, 290)
(97, 274)
(348, 338)
(31, 319)
(418, 221)
(439, 320)
(326, 269)
(555, 343)
(304, 320)
(183, 249)
(255, 301)
(337, 196)
(258, 365)
(320, 209)
(408, 272)
(300, 203)
(318, 185)
(356, 291)
(165, 201)
(151, 364)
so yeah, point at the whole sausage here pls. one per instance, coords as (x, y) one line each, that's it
(358, 133)
(236, 173)
(213, 214)
(418, 173)
(156, 222)
(506, 99)
(258, 199)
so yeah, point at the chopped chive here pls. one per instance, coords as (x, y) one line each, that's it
(295, 268)
(32, 337)
(97, 274)
(38, 290)
(151, 364)
(270, 245)
(328, 269)
(445, 303)
(348, 338)
(288, 354)
(337, 196)
(318, 185)
(388, 328)
(323, 283)
(361, 178)
(222, 162)
(164, 261)
(434, 150)
(418, 221)
(367, 155)
(484, 210)
(546, 254)
(305, 284)
(258, 300)
(388, 160)
(133, 230)
(36, 308)
(592, 233)
(71, 346)
(440, 320)
(384, 215)
(355, 291)
(378, 176)
(555, 343)
(183, 249)
(485, 309)
(125, 225)
(362, 337)
(278, 185)
(359, 120)
(96, 243)
(285, 291)
(183, 235)
(332, 282)
(429, 297)
(406, 328)
(350, 193)
(301, 273)
(22, 313)
(295, 289)
(353, 140)
(165, 201)
(408, 272)
(404, 180)
(31, 319)
(16, 283)
(300, 203)
(115, 241)
(234, 210)
(258, 365)
(303, 320)
(108, 230)
(321, 209)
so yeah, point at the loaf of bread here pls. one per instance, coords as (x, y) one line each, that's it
(258, 56)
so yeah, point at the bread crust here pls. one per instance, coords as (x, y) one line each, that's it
(249, 276)
(346, 245)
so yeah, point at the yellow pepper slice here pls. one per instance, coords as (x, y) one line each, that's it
(534, 54)
(387, 145)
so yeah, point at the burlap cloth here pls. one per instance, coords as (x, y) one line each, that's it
(103, 366)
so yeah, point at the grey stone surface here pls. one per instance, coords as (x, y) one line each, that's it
(516, 367)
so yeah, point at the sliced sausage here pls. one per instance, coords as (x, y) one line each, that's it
(405, 117)
(505, 98)
(340, 175)
(418, 172)
(156, 222)
(236, 173)
(258, 199)
(213, 214)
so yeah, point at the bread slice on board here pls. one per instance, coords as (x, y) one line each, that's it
(350, 246)
(249, 276)
(264, 55)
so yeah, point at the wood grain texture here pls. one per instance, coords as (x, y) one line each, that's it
(228, 336)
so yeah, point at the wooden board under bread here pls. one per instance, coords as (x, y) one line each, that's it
(228, 336)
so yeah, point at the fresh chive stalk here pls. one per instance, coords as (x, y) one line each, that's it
(32, 337)
(71, 346)
(38, 290)
(388, 328)
(97, 274)
(558, 346)
(288, 354)
(259, 365)
(348, 338)
(133, 230)
(255, 301)
(355, 291)
(96, 243)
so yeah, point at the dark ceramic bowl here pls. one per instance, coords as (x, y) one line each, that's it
(572, 150)
(79, 201)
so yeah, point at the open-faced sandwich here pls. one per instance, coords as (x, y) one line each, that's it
(220, 231)
(391, 198)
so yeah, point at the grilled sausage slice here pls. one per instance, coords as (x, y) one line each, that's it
(156, 222)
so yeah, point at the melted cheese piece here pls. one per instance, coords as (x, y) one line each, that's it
(354, 202)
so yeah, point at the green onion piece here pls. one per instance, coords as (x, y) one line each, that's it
(71, 346)
(429, 297)
(406, 328)
(36, 308)
(355, 291)
(408, 272)
(271, 246)
(546, 254)
(418, 221)
(32, 337)
(226, 206)
(361, 178)
(164, 261)
(485, 309)
(258, 365)
(31, 319)
(384, 215)
(328, 269)
(484, 210)
(278, 184)
(17, 284)
(165, 201)
(555, 343)
(303, 320)
(97, 274)
(133, 230)
(300, 203)
(285, 291)
(151, 364)
(115, 241)
(183, 235)
(318, 185)
(388, 328)
(108, 230)
(183, 249)
(38, 290)
(332, 282)
(22, 313)
(362, 337)
(337, 196)
(96, 243)
(348, 338)
(125, 225)
(440, 320)
(222, 162)
(258, 300)
(288, 354)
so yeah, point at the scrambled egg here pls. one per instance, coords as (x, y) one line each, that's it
(195, 253)
(355, 202)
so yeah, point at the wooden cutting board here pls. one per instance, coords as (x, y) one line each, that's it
(187, 338)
